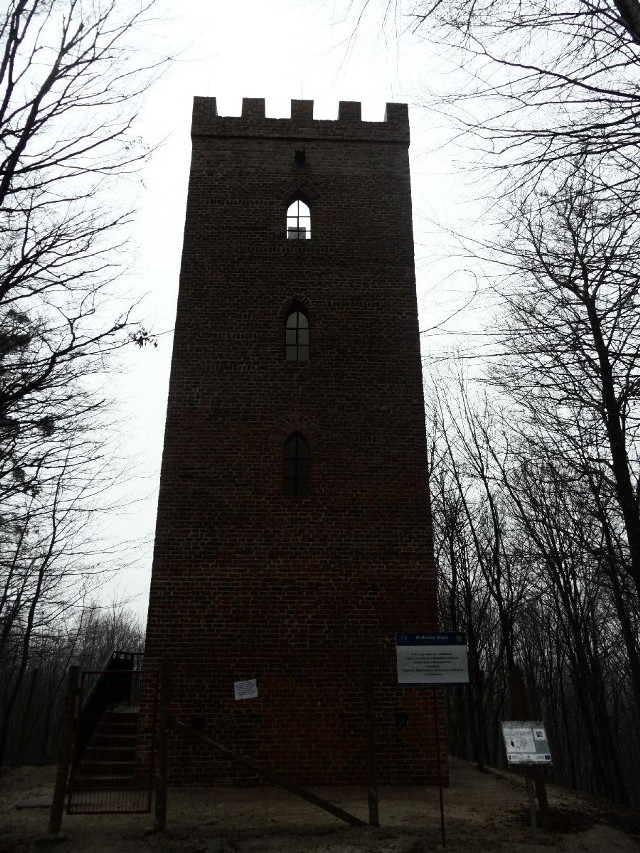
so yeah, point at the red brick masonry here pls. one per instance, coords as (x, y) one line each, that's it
(296, 592)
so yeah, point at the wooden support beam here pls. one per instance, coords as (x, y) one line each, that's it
(283, 782)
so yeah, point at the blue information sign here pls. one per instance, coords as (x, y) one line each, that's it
(432, 658)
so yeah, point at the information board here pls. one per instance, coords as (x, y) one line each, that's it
(526, 742)
(432, 658)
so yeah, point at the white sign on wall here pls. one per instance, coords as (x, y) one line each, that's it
(245, 689)
(432, 658)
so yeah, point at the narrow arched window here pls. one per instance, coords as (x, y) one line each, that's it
(297, 336)
(296, 466)
(298, 221)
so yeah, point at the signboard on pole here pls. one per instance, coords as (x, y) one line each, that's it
(526, 742)
(432, 658)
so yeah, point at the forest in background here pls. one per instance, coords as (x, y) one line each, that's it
(533, 450)
(533, 423)
(71, 80)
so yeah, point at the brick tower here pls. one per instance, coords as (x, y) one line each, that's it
(294, 535)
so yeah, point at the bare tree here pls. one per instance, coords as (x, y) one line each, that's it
(573, 339)
(71, 78)
(69, 87)
(500, 589)
(85, 635)
(555, 594)
(539, 83)
(546, 497)
(465, 601)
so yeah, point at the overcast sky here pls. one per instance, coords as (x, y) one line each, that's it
(278, 50)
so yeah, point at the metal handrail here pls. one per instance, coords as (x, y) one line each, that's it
(113, 685)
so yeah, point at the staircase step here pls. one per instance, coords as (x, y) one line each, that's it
(83, 783)
(109, 752)
(113, 741)
(108, 761)
(112, 729)
(120, 716)
(105, 768)
(118, 725)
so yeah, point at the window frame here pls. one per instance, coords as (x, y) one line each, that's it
(297, 336)
(298, 222)
(296, 467)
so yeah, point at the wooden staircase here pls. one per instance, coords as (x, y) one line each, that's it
(109, 759)
(107, 776)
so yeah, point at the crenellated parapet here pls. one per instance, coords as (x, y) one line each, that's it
(253, 122)
(294, 535)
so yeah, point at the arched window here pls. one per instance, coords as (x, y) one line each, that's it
(297, 336)
(298, 221)
(296, 466)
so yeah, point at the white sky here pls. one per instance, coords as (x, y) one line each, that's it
(276, 49)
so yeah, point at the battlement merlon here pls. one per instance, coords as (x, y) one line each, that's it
(301, 125)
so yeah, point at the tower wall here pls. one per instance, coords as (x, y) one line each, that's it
(296, 592)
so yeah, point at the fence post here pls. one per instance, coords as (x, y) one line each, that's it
(24, 728)
(65, 752)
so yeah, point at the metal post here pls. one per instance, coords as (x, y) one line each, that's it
(372, 770)
(532, 807)
(437, 725)
(66, 748)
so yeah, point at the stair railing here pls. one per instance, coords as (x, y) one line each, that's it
(114, 684)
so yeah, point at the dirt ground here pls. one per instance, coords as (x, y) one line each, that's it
(483, 812)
